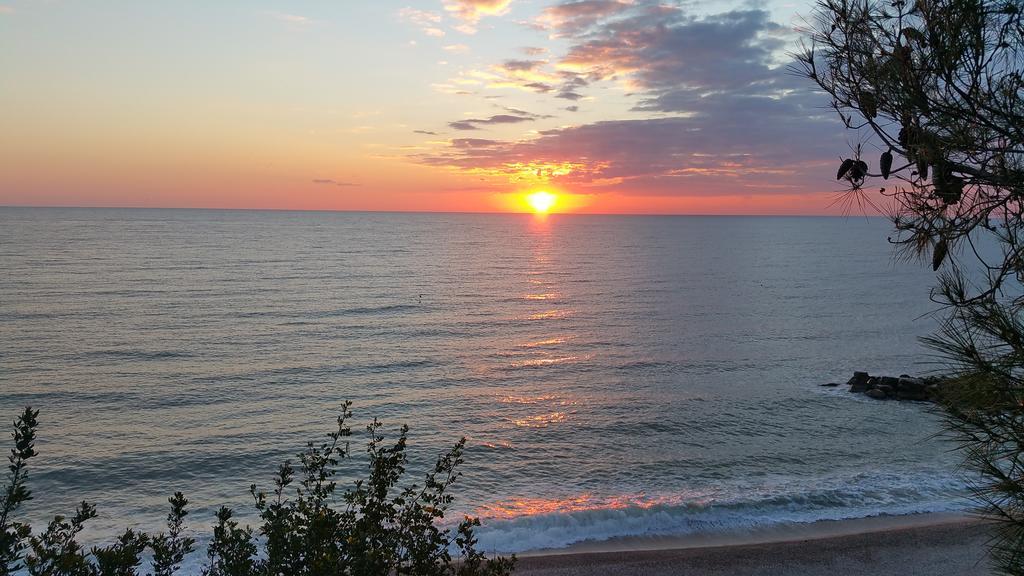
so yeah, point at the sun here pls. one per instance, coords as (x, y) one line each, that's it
(541, 202)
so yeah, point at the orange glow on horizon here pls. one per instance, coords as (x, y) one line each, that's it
(542, 201)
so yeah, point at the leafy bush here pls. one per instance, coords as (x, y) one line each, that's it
(380, 528)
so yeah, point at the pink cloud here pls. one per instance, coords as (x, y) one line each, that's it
(471, 11)
(572, 17)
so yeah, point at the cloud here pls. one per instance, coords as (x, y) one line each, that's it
(669, 156)
(456, 48)
(5, 9)
(513, 116)
(427, 132)
(425, 20)
(475, 123)
(331, 182)
(471, 11)
(730, 51)
(532, 75)
(470, 143)
(722, 110)
(538, 76)
(523, 65)
(523, 113)
(569, 18)
(541, 87)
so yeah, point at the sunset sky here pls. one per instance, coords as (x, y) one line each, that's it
(632, 106)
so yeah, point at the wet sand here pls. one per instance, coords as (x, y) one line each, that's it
(933, 545)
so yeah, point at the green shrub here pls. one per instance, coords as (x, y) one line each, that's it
(378, 528)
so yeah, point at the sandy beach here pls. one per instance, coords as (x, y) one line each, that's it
(933, 545)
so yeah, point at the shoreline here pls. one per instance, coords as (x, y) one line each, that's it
(926, 544)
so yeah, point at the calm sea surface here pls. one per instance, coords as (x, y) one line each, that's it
(614, 375)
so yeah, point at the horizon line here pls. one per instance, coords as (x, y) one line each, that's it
(494, 212)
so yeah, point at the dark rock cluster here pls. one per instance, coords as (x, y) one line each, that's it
(891, 388)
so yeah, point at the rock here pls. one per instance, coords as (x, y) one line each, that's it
(906, 382)
(859, 377)
(905, 387)
(889, 381)
(876, 393)
(859, 382)
(912, 385)
(830, 385)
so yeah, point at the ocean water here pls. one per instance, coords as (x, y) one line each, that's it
(614, 375)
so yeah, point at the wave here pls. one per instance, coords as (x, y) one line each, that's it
(308, 316)
(583, 519)
(131, 354)
(364, 310)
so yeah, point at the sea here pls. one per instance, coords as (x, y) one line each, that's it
(614, 376)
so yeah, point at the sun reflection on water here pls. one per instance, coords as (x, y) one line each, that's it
(542, 420)
(519, 507)
(543, 296)
(545, 342)
(550, 315)
(535, 362)
(555, 410)
(541, 399)
(542, 343)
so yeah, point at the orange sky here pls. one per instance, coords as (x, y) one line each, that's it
(618, 106)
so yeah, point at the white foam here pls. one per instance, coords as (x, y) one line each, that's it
(838, 498)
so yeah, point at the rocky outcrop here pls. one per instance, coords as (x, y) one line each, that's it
(891, 388)
(859, 382)
(876, 393)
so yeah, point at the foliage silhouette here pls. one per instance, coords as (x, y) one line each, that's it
(14, 535)
(938, 87)
(380, 528)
